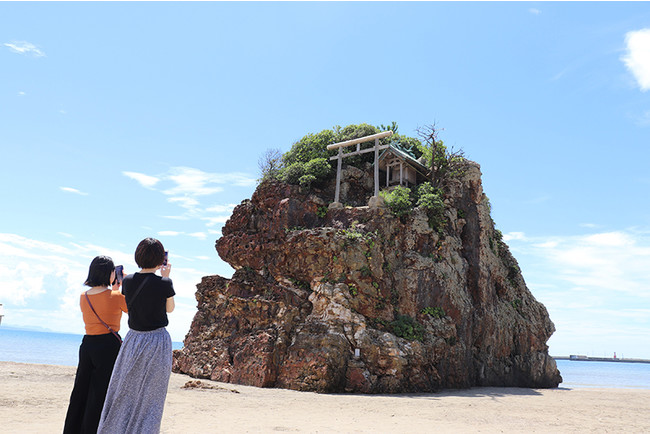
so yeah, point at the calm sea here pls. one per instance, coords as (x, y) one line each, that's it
(62, 349)
(43, 347)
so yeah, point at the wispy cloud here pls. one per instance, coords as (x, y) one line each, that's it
(42, 282)
(534, 11)
(169, 233)
(600, 264)
(144, 180)
(595, 282)
(184, 202)
(195, 182)
(514, 236)
(25, 48)
(608, 261)
(73, 190)
(187, 187)
(199, 235)
(216, 220)
(187, 182)
(637, 56)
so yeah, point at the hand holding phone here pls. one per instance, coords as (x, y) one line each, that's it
(166, 267)
(119, 273)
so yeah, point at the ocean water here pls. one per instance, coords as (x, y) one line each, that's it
(63, 349)
(43, 347)
(578, 374)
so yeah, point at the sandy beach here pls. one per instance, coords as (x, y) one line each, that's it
(34, 399)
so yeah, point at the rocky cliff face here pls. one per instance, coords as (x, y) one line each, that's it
(357, 300)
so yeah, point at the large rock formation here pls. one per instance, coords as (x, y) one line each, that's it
(357, 300)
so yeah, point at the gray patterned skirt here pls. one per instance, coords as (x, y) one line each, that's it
(136, 394)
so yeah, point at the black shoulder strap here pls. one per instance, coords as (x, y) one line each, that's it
(137, 291)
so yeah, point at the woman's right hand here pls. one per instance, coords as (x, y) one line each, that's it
(165, 270)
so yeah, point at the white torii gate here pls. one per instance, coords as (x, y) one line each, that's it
(359, 151)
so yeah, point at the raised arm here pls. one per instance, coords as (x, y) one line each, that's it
(170, 305)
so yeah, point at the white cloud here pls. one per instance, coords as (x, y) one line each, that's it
(596, 288)
(188, 183)
(73, 190)
(199, 235)
(42, 282)
(608, 262)
(637, 57)
(186, 186)
(218, 220)
(195, 182)
(21, 93)
(221, 208)
(534, 11)
(144, 180)
(169, 233)
(177, 217)
(185, 202)
(514, 236)
(23, 47)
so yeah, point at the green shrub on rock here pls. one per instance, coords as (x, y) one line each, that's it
(293, 172)
(406, 327)
(430, 198)
(398, 200)
(306, 174)
(318, 167)
(309, 147)
(307, 180)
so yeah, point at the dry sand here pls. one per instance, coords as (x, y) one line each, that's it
(34, 399)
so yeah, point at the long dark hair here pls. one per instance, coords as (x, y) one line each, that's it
(99, 273)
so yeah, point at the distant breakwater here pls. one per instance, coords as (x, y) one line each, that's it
(601, 359)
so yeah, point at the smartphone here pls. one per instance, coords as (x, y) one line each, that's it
(119, 273)
(166, 257)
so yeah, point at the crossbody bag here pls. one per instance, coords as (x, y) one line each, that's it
(137, 291)
(101, 320)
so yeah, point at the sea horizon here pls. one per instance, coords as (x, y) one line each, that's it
(53, 348)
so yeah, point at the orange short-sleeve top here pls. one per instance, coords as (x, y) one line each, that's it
(109, 305)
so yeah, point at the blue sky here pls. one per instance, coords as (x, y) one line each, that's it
(125, 120)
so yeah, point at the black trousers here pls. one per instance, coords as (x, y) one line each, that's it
(97, 355)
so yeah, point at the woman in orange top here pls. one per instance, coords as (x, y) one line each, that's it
(99, 346)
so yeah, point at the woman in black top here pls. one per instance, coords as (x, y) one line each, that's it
(136, 395)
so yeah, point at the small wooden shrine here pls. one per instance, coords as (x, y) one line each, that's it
(399, 166)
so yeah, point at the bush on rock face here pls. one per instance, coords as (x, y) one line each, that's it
(307, 180)
(318, 167)
(306, 174)
(398, 200)
(310, 147)
(406, 327)
(430, 198)
(292, 173)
